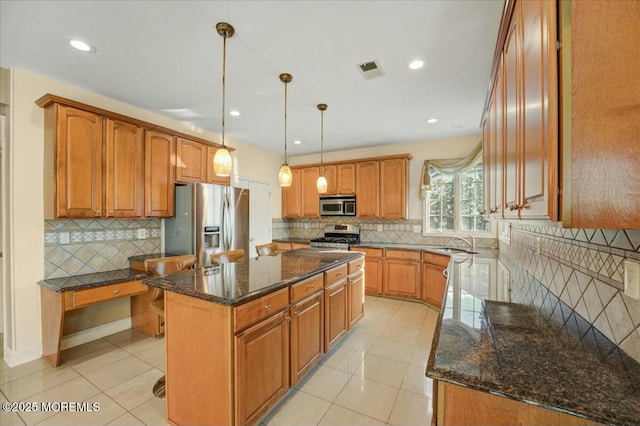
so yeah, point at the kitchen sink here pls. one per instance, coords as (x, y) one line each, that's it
(451, 250)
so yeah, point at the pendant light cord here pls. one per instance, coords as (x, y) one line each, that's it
(224, 70)
(285, 123)
(321, 142)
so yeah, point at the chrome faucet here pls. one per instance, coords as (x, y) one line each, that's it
(471, 241)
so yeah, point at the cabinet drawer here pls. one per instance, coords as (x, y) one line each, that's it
(79, 298)
(335, 274)
(283, 246)
(356, 265)
(306, 287)
(436, 259)
(369, 252)
(258, 309)
(299, 245)
(402, 254)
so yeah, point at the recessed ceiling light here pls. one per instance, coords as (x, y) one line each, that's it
(416, 65)
(234, 112)
(297, 142)
(432, 120)
(82, 46)
(456, 126)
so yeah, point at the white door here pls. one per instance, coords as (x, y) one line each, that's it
(259, 215)
(259, 211)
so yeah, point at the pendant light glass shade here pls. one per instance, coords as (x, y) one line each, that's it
(321, 184)
(285, 177)
(222, 163)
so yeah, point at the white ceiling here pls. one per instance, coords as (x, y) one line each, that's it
(166, 56)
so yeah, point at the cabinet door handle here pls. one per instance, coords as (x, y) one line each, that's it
(338, 274)
(311, 286)
(267, 307)
(97, 212)
(116, 291)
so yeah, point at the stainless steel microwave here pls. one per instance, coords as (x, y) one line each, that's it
(338, 205)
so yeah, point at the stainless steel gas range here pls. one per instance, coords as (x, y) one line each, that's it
(339, 237)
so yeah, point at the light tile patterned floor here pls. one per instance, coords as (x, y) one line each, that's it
(375, 376)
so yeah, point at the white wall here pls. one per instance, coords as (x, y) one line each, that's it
(421, 151)
(25, 228)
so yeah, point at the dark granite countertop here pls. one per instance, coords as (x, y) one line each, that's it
(238, 282)
(141, 258)
(292, 240)
(449, 251)
(484, 342)
(80, 282)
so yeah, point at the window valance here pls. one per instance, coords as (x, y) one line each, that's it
(449, 166)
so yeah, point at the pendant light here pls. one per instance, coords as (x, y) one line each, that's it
(285, 177)
(222, 160)
(321, 184)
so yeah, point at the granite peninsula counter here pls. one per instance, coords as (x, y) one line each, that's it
(240, 335)
(485, 346)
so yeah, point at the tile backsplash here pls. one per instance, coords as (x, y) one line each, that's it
(399, 231)
(96, 245)
(575, 277)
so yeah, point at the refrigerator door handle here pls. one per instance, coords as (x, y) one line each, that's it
(226, 223)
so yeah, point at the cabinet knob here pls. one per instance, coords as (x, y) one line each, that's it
(267, 307)
(288, 318)
(97, 212)
(110, 211)
(149, 212)
(116, 291)
(338, 274)
(311, 286)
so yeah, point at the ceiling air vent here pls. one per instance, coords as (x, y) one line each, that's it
(370, 69)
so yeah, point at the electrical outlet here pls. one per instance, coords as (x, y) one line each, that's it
(632, 279)
(64, 238)
(142, 234)
(379, 228)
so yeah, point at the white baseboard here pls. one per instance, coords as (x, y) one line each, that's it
(84, 336)
(13, 358)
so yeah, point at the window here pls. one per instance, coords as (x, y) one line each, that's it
(454, 203)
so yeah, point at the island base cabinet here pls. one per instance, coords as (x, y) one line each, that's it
(355, 293)
(199, 382)
(261, 367)
(457, 405)
(307, 335)
(335, 306)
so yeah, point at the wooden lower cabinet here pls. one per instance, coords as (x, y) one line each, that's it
(307, 335)
(335, 313)
(402, 274)
(261, 367)
(458, 405)
(373, 265)
(434, 281)
(355, 297)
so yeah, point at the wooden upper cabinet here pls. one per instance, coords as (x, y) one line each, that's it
(292, 196)
(393, 188)
(512, 125)
(346, 178)
(211, 176)
(123, 173)
(191, 160)
(160, 153)
(310, 196)
(73, 162)
(538, 195)
(600, 136)
(368, 188)
(330, 173)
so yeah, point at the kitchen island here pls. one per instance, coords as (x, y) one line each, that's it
(497, 362)
(240, 335)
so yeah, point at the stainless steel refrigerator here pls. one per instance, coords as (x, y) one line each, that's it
(208, 219)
